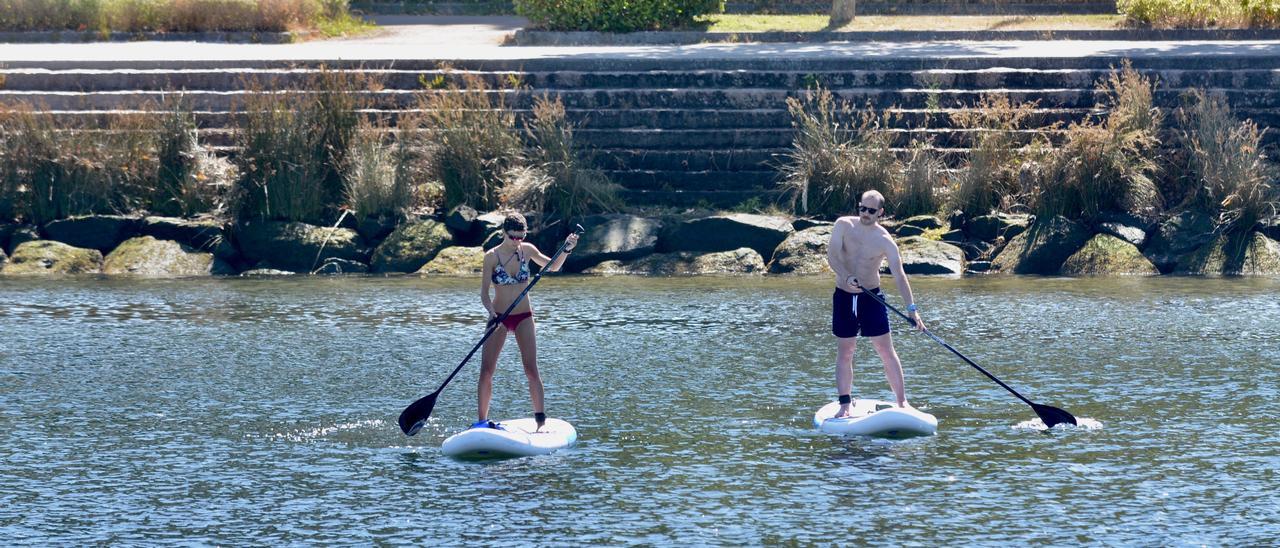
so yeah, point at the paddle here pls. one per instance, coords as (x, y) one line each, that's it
(415, 416)
(1050, 415)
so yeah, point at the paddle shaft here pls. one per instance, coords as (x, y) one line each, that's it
(949, 347)
(494, 326)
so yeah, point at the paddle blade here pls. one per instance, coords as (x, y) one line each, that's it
(415, 416)
(1053, 416)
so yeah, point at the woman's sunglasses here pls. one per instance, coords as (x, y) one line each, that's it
(515, 237)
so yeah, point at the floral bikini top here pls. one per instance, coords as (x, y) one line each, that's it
(500, 275)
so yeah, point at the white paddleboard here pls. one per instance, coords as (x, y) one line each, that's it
(517, 438)
(875, 418)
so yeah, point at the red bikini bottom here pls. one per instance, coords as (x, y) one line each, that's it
(513, 320)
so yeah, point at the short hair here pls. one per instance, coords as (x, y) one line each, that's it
(873, 194)
(514, 221)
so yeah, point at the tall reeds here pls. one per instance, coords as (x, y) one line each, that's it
(1107, 165)
(558, 179)
(1229, 175)
(293, 145)
(54, 168)
(829, 166)
(989, 178)
(473, 140)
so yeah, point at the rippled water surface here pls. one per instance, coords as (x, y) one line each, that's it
(263, 412)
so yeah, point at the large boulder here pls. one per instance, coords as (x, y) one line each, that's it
(986, 228)
(1177, 236)
(613, 238)
(374, 229)
(1125, 226)
(728, 232)
(1271, 228)
(463, 221)
(803, 252)
(1253, 254)
(926, 222)
(297, 247)
(147, 256)
(6, 230)
(1107, 255)
(200, 234)
(925, 256)
(49, 257)
(410, 246)
(1043, 248)
(21, 235)
(100, 232)
(805, 224)
(455, 261)
(686, 263)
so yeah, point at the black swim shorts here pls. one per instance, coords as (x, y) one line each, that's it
(871, 319)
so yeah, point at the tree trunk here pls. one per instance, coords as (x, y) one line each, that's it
(842, 12)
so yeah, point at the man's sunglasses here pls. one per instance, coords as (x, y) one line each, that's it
(868, 210)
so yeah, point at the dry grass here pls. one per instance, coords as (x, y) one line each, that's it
(170, 15)
(829, 165)
(1230, 176)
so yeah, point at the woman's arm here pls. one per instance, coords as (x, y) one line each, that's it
(542, 260)
(486, 277)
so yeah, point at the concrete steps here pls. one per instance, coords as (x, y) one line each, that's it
(679, 130)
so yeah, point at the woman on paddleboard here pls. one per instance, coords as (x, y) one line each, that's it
(506, 271)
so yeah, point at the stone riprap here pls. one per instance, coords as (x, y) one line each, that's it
(147, 256)
(632, 244)
(44, 257)
(1107, 255)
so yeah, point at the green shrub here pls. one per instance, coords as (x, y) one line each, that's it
(1107, 166)
(1198, 14)
(829, 167)
(616, 15)
(1231, 177)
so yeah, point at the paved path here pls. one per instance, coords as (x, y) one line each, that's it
(480, 38)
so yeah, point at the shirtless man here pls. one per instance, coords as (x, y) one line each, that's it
(857, 248)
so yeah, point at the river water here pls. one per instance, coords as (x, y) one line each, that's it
(232, 412)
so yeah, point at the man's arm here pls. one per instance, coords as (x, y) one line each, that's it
(894, 257)
(836, 255)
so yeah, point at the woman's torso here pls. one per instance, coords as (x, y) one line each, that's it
(511, 274)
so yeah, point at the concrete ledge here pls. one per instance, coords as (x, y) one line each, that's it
(78, 36)
(524, 37)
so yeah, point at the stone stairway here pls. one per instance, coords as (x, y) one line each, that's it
(671, 131)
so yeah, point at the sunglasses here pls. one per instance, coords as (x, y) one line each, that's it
(516, 238)
(868, 210)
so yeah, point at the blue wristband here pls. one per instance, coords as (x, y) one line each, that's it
(911, 308)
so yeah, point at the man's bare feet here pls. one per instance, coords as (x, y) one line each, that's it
(843, 413)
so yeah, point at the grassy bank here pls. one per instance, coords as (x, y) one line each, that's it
(329, 17)
(318, 151)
